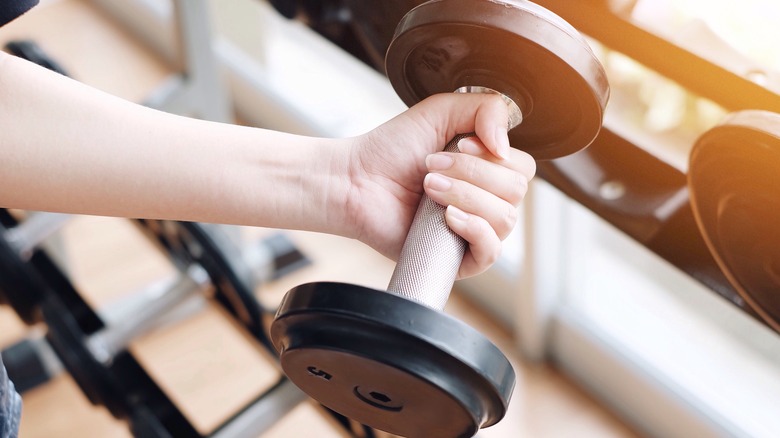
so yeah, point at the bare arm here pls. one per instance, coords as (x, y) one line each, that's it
(70, 148)
(67, 147)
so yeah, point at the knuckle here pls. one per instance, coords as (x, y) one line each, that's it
(492, 104)
(492, 255)
(496, 101)
(466, 197)
(518, 190)
(531, 167)
(524, 163)
(489, 249)
(471, 169)
(508, 221)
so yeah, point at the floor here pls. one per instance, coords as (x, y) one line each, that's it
(205, 363)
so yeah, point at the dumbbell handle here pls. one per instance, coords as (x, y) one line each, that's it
(431, 255)
(432, 252)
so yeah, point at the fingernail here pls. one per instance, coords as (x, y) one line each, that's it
(469, 146)
(437, 182)
(454, 213)
(502, 143)
(439, 162)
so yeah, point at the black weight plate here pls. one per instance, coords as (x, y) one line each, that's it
(69, 320)
(192, 242)
(69, 342)
(20, 285)
(374, 24)
(734, 184)
(7, 220)
(391, 363)
(515, 47)
(123, 386)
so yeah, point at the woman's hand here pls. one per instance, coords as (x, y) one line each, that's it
(482, 186)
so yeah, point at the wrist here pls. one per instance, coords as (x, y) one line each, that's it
(299, 183)
(329, 186)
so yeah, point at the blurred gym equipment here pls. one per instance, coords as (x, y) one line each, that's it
(734, 185)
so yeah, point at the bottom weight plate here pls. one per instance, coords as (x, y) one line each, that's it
(391, 363)
(734, 185)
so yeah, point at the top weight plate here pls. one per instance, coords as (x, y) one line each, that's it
(734, 184)
(512, 46)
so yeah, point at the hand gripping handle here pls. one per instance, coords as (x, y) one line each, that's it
(431, 255)
(432, 252)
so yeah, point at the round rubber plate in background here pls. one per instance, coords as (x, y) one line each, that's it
(734, 180)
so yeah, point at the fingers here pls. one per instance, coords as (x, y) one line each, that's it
(485, 114)
(489, 188)
(508, 179)
(500, 214)
(482, 192)
(491, 126)
(485, 183)
(484, 246)
(518, 160)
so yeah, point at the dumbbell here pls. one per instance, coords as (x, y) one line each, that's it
(209, 264)
(734, 185)
(89, 353)
(392, 359)
(20, 286)
(235, 271)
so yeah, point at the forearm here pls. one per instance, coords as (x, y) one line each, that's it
(66, 147)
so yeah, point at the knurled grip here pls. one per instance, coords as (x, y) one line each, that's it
(431, 255)
(432, 252)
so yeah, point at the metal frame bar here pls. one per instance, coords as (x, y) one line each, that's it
(198, 89)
